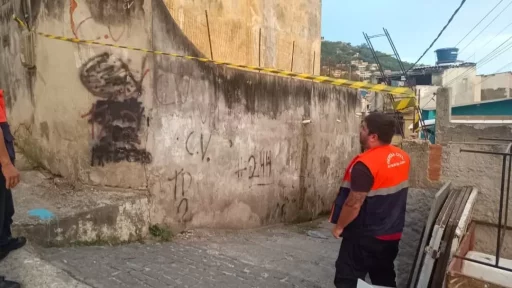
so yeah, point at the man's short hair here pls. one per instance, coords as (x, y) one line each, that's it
(382, 125)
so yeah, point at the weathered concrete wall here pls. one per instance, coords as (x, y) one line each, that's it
(427, 96)
(213, 146)
(447, 130)
(464, 88)
(230, 148)
(485, 240)
(235, 31)
(479, 170)
(82, 95)
(496, 86)
(14, 79)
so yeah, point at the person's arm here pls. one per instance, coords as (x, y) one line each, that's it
(361, 182)
(11, 174)
(5, 160)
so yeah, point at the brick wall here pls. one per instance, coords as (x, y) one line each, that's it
(435, 152)
(426, 162)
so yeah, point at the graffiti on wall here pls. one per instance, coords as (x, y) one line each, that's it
(176, 190)
(128, 4)
(203, 141)
(258, 166)
(117, 113)
(116, 15)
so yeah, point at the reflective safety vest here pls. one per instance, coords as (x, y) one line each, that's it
(382, 214)
(6, 130)
(3, 113)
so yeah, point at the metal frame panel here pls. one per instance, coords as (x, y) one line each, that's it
(437, 205)
(430, 251)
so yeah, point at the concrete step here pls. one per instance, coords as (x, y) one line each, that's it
(53, 212)
(26, 267)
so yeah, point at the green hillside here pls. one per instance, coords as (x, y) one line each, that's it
(342, 53)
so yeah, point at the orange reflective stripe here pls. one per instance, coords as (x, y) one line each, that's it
(389, 190)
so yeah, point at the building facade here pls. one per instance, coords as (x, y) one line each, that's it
(280, 34)
(496, 86)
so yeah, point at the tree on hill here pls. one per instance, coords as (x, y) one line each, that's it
(336, 53)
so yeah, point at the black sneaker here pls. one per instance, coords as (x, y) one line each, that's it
(8, 284)
(13, 244)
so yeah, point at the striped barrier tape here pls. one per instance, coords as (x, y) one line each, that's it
(404, 103)
(321, 79)
(409, 102)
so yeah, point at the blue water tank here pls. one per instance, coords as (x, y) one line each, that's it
(447, 55)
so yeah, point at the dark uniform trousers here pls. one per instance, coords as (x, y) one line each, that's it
(366, 255)
(6, 201)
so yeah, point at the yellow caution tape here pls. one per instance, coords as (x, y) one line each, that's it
(417, 116)
(321, 79)
(404, 103)
(22, 24)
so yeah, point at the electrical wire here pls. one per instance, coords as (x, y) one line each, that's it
(491, 56)
(498, 34)
(487, 43)
(478, 23)
(482, 81)
(492, 21)
(470, 70)
(485, 60)
(438, 35)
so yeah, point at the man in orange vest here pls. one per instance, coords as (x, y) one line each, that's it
(369, 211)
(9, 178)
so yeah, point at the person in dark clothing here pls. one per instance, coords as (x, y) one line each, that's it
(369, 211)
(9, 178)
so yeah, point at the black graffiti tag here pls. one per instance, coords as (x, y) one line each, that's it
(118, 113)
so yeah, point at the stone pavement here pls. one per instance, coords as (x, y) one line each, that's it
(270, 257)
(27, 267)
(280, 256)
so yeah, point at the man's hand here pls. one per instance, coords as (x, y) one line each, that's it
(336, 231)
(11, 174)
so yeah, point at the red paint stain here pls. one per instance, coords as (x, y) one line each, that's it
(72, 7)
(106, 36)
(144, 75)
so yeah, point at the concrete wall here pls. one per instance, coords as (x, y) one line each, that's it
(426, 96)
(479, 170)
(235, 31)
(14, 79)
(80, 96)
(464, 84)
(496, 86)
(213, 146)
(449, 130)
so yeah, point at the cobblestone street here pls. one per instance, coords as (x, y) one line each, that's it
(272, 257)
